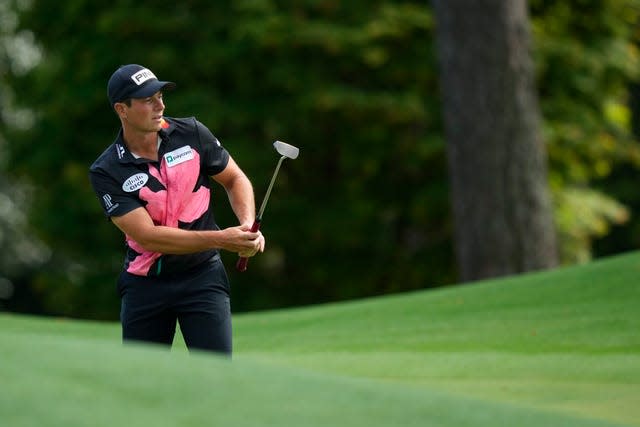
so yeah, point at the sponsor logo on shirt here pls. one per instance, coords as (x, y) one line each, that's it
(135, 182)
(108, 203)
(142, 76)
(120, 150)
(178, 156)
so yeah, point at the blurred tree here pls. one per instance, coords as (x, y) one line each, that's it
(21, 251)
(586, 57)
(497, 160)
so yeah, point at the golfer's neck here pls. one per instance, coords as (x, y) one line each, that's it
(144, 144)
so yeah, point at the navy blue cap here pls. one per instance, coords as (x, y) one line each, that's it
(134, 81)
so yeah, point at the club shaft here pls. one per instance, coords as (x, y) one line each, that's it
(266, 196)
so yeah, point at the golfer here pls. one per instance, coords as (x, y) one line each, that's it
(154, 184)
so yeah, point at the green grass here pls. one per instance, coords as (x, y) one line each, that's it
(557, 348)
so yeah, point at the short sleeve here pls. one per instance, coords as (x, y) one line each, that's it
(214, 156)
(113, 199)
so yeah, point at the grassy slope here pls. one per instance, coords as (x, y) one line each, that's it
(559, 348)
(567, 340)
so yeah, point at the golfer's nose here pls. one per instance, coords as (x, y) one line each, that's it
(159, 104)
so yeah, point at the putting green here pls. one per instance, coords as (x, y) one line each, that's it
(557, 348)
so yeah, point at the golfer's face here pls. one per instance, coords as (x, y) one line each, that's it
(145, 114)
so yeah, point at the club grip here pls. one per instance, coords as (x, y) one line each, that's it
(241, 265)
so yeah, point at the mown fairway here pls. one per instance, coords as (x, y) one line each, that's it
(558, 348)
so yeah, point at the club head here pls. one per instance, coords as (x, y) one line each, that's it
(286, 150)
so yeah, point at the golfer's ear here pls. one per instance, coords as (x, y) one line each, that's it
(119, 108)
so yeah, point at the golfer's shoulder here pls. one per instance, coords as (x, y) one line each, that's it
(188, 130)
(181, 124)
(107, 159)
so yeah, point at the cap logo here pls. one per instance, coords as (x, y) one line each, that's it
(142, 76)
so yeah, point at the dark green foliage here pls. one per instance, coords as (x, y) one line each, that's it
(350, 83)
(587, 57)
(364, 210)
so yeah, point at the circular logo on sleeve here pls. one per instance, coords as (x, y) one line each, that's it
(135, 182)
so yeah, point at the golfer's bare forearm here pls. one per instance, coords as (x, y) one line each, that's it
(240, 192)
(169, 240)
(139, 226)
(242, 201)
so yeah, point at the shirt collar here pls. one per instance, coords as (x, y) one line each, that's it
(123, 153)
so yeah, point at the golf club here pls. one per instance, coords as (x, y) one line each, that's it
(286, 151)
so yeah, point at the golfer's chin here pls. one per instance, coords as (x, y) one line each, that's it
(153, 127)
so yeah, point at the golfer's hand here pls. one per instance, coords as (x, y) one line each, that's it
(259, 247)
(241, 239)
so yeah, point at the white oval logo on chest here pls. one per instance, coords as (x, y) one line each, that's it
(135, 182)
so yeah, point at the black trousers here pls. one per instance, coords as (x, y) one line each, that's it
(198, 300)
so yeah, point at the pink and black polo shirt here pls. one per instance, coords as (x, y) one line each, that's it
(175, 190)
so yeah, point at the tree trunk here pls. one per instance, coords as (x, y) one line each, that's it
(497, 159)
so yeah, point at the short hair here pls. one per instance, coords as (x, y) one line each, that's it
(126, 102)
